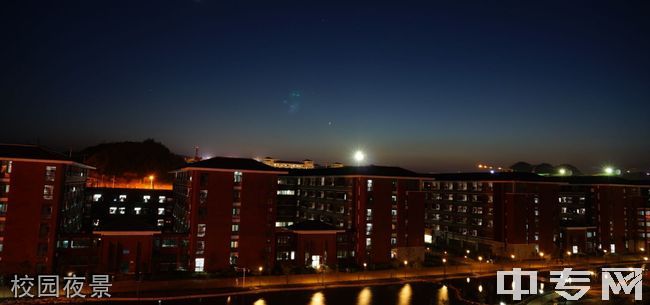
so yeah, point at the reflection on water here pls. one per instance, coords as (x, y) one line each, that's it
(364, 297)
(317, 299)
(405, 295)
(415, 293)
(443, 296)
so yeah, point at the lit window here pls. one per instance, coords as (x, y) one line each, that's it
(137, 210)
(161, 199)
(198, 264)
(50, 173)
(48, 192)
(369, 186)
(234, 244)
(112, 210)
(96, 223)
(161, 211)
(368, 241)
(146, 198)
(122, 198)
(200, 232)
(237, 177)
(5, 167)
(200, 247)
(122, 210)
(96, 197)
(286, 192)
(161, 222)
(235, 228)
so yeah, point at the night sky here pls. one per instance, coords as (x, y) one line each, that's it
(435, 86)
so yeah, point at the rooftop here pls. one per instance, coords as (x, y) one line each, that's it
(521, 176)
(233, 164)
(369, 170)
(126, 223)
(312, 225)
(23, 151)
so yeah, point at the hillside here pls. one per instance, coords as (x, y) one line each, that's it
(135, 159)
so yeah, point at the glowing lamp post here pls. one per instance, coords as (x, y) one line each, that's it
(444, 267)
(151, 178)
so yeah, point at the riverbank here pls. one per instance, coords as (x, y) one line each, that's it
(124, 291)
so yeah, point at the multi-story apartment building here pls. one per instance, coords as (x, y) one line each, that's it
(228, 208)
(146, 208)
(526, 215)
(41, 197)
(379, 208)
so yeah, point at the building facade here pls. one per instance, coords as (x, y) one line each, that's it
(380, 208)
(527, 215)
(227, 206)
(41, 197)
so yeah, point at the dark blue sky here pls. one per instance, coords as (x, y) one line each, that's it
(425, 85)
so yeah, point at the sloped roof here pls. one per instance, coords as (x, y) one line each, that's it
(233, 164)
(22, 151)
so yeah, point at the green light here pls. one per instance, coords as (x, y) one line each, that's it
(608, 170)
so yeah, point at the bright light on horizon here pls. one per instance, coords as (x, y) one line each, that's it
(359, 156)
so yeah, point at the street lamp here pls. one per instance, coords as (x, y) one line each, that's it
(444, 267)
(406, 263)
(151, 177)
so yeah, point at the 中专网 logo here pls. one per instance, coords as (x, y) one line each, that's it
(614, 280)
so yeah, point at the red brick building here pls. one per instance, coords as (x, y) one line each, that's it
(41, 196)
(308, 243)
(379, 207)
(525, 214)
(228, 208)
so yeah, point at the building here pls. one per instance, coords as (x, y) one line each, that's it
(305, 164)
(41, 197)
(309, 243)
(127, 231)
(527, 215)
(380, 209)
(227, 206)
(147, 208)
